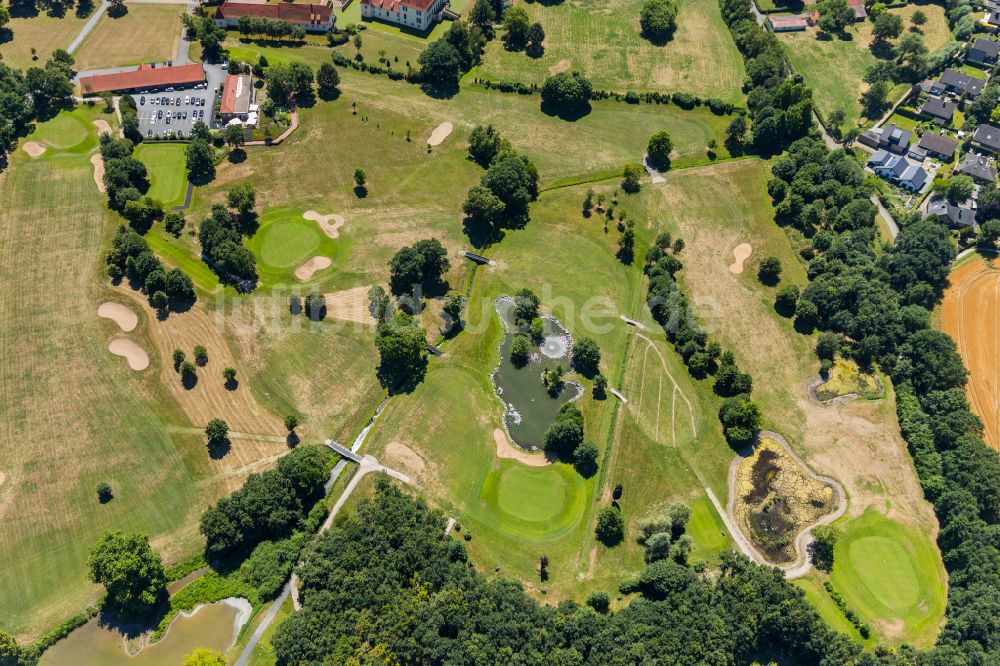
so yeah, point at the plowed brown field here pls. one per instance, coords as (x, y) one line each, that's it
(970, 313)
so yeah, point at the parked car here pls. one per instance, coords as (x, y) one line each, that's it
(159, 114)
(177, 102)
(168, 120)
(187, 99)
(142, 101)
(149, 132)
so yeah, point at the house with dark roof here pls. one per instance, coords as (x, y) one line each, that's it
(938, 110)
(942, 210)
(898, 170)
(987, 137)
(991, 20)
(314, 18)
(417, 14)
(979, 167)
(984, 51)
(894, 139)
(957, 83)
(935, 145)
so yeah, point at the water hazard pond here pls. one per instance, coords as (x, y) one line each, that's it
(211, 626)
(529, 408)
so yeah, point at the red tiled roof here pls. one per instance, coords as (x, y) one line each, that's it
(283, 11)
(144, 77)
(237, 88)
(394, 5)
(782, 21)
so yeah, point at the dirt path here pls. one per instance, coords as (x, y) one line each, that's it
(801, 566)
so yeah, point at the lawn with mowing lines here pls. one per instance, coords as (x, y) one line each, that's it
(167, 171)
(284, 240)
(601, 39)
(67, 131)
(75, 414)
(145, 34)
(30, 28)
(892, 577)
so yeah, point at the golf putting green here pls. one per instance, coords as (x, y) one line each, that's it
(884, 567)
(66, 130)
(288, 243)
(534, 501)
(891, 575)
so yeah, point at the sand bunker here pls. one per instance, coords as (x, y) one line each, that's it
(98, 163)
(507, 450)
(561, 66)
(311, 267)
(349, 305)
(33, 148)
(136, 356)
(102, 126)
(439, 134)
(324, 221)
(121, 314)
(740, 253)
(3, 477)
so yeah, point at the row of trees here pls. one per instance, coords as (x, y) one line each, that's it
(419, 601)
(258, 26)
(130, 256)
(880, 306)
(221, 238)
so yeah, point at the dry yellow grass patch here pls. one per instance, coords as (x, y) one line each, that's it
(147, 33)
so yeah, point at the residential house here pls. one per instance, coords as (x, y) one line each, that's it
(859, 10)
(941, 209)
(984, 51)
(991, 20)
(987, 137)
(417, 14)
(979, 167)
(938, 110)
(957, 84)
(314, 18)
(940, 147)
(890, 137)
(898, 170)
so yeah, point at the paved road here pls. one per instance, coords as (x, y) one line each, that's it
(87, 27)
(889, 221)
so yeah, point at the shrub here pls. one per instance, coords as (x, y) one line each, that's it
(610, 528)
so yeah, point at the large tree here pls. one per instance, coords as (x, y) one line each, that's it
(659, 148)
(131, 572)
(567, 93)
(402, 348)
(440, 66)
(200, 162)
(658, 19)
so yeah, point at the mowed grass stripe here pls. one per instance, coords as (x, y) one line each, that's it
(72, 413)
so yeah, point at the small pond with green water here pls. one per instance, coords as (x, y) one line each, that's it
(529, 408)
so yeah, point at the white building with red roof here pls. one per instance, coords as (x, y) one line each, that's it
(314, 18)
(417, 14)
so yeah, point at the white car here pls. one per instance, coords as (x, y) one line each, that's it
(187, 99)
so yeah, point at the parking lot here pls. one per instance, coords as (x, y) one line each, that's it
(174, 110)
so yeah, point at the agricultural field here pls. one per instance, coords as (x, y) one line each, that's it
(601, 39)
(40, 31)
(967, 313)
(146, 33)
(834, 67)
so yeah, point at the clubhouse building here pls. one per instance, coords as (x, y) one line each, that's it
(144, 77)
(314, 18)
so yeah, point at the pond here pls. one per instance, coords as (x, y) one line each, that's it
(213, 626)
(529, 407)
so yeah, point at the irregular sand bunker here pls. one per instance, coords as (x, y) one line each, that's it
(121, 314)
(439, 134)
(33, 148)
(136, 356)
(507, 450)
(330, 224)
(740, 253)
(561, 66)
(102, 126)
(311, 267)
(349, 305)
(3, 477)
(98, 163)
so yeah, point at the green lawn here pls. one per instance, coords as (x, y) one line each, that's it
(43, 32)
(285, 240)
(167, 171)
(146, 33)
(89, 417)
(601, 39)
(892, 577)
(834, 67)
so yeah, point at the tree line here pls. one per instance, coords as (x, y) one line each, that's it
(387, 585)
